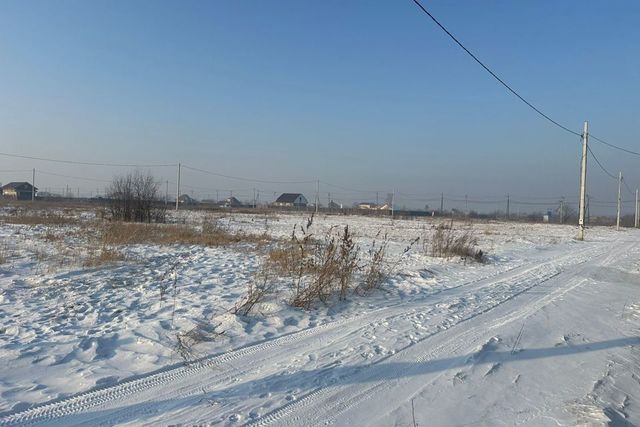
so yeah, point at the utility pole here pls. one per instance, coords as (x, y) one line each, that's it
(317, 194)
(441, 203)
(33, 185)
(166, 193)
(254, 198)
(508, 207)
(178, 187)
(635, 223)
(466, 204)
(393, 197)
(619, 200)
(583, 180)
(562, 210)
(377, 203)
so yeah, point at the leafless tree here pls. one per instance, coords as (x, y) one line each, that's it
(135, 197)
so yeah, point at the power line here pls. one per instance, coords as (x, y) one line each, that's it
(600, 164)
(73, 162)
(72, 177)
(350, 189)
(614, 146)
(495, 76)
(245, 179)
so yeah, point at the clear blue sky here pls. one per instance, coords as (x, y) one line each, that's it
(358, 93)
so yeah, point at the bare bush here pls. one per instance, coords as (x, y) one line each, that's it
(186, 341)
(448, 243)
(380, 268)
(134, 197)
(258, 290)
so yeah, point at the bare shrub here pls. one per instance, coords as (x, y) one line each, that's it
(447, 243)
(186, 341)
(134, 197)
(380, 268)
(331, 265)
(258, 290)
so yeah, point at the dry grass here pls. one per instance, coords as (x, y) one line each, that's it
(103, 256)
(448, 243)
(120, 233)
(37, 218)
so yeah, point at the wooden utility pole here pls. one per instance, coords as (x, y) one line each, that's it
(508, 206)
(562, 210)
(178, 188)
(441, 203)
(635, 222)
(317, 194)
(619, 200)
(166, 193)
(33, 185)
(393, 196)
(583, 181)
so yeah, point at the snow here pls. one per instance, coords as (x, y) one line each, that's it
(545, 333)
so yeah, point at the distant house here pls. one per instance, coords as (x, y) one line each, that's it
(334, 205)
(291, 200)
(185, 199)
(367, 205)
(18, 190)
(231, 202)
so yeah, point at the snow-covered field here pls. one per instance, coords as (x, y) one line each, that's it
(546, 332)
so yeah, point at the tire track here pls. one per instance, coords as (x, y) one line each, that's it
(314, 408)
(102, 397)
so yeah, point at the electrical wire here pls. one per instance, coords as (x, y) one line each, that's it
(244, 179)
(613, 146)
(495, 76)
(600, 164)
(72, 177)
(73, 162)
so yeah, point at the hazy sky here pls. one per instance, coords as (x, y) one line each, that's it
(362, 94)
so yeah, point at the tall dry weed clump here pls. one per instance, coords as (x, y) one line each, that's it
(319, 268)
(448, 242)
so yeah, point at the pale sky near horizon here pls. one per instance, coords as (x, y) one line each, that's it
(364, 95)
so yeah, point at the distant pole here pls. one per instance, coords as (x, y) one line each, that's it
(619, 200)
(329, 200)
(441, 203)
(583, 180)
(635, 223)
(393, 197)
(466, 204)
(33, 185)
(562, 210)
(178, 187)
(217, 196)
(166, 193)
(508, 206)
(317, 194)
(254, 198)
(377, 202)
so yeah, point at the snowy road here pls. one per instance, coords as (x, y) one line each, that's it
(554, 341)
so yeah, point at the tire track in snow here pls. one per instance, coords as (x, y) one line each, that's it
(323, 406)
(102, 397)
